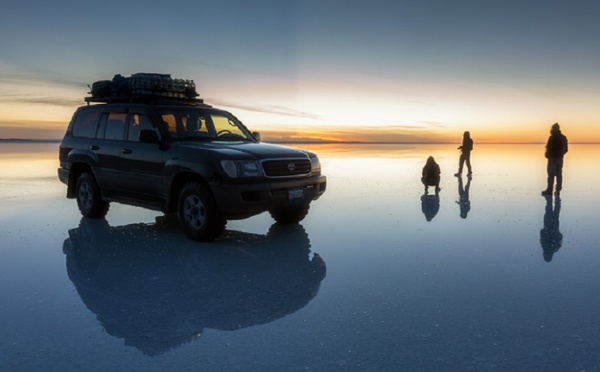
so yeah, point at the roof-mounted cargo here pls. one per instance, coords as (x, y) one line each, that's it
(143, 87)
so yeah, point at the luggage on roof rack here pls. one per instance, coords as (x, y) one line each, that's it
(143, 86)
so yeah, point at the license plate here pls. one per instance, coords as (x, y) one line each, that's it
(296, 194)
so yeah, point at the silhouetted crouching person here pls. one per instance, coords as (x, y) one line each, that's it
(431, 175)
(465, 155)
(550, 236)
(556, 148)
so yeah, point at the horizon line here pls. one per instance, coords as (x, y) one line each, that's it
(333, 142)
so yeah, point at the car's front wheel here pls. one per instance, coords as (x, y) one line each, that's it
(199, 214)
(88, 196)
(290, 214)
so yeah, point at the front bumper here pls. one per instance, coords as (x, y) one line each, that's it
(244, 200)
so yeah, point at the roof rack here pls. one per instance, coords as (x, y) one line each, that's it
(146, 88)
(145, 98)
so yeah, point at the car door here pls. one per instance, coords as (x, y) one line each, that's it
(141, 164)
(107, 146)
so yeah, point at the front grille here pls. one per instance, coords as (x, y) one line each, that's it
(286, 167)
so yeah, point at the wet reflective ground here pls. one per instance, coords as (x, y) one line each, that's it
(488, 275)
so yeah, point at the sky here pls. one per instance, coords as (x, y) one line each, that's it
(378, 70)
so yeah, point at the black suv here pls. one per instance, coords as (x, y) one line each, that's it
(167, 151)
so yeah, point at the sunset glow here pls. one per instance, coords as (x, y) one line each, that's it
(384, 72)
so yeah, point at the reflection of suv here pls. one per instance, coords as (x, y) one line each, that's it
(172, 152)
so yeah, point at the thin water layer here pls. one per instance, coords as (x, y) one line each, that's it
(485, 275)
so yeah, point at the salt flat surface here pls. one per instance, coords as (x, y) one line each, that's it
(489, 276)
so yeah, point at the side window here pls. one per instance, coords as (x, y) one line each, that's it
(115, 126)
(138, 122)
(170, 123)
(194, 125)
(86, 123)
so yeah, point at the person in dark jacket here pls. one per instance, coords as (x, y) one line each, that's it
(431, 175)
(465, 155)
(556, 148)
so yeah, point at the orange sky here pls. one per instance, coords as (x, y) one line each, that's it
(364, 111)
(54, 130)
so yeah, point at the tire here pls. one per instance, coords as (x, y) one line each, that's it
(88, 196)
(290, 214)
(199, 214)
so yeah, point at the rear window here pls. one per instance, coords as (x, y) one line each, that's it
(86, 124)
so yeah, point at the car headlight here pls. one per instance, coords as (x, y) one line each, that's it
(241, 168)
(315, 165)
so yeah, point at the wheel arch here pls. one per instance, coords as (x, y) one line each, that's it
(76, 170)
(179, 181)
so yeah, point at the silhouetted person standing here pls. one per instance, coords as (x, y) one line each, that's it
(550, 236)
(465, 155)
(556, 148)
(431, 175)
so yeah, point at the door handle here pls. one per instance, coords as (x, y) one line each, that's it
(126, 151)
(94, 147)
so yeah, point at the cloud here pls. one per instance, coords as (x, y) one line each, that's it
(276, 110)
(38, 87)
(392, 134)
(33, 129)
(33, 99)
(36, 78)
(435, 124)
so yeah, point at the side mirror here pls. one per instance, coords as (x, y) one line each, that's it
(149, 136)
(256, 135)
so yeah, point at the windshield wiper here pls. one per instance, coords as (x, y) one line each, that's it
(232, 137)
(195, 138)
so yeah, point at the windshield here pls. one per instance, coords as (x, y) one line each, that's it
(198, 123)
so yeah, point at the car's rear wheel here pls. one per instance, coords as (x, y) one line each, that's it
(199, 214)
(290, 214)
(88, 196)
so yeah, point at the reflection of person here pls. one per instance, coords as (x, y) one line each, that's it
(550, 236)
(465, 155)
(430, 205)
(463, 197)
(431, 175)
(556, 148)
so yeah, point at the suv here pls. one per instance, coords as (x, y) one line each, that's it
(164, 150)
